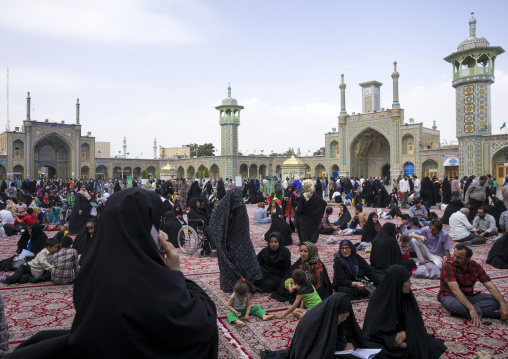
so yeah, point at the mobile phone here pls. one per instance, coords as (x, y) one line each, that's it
(155, 236)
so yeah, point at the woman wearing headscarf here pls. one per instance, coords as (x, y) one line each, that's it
(3, 187)
(33, 239)
(105, 325)
(288, 206)
(371, 228)
(274, 260)
(117, 186)
(196, 212)
(205, 203)
(178, 213)
(81, 210)
(194, 192)
(171, 226)
(381, 197)
(427, 193)
(310, 262)
(453, 207)
(348, 268)
(280, 226)
(344, 217)
(309, 213)
(385, 250)
(436, 186)
(274, 207)
(208, 187)
(84, 238)
(329, 327)
(229, 229)
(318, 187)
(393, 312)
(496, 208)
(368, 193)
(498, 254)
(221, 190)
(467, 184)
(447, 190)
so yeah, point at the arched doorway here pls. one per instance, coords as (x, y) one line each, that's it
(201, 169)
(244, 170)
(214, 171)
(152, 172)
(190, 172)
(385, 171)
(53, 151)
(320, 171)
(117, 172)
(262, 171)
(368, 150)
(136, 173)
(430, 169)
(18, 173)
(335, 171)
(253, 171)
(85, 172)
(408, 143)
(180, 172)
(409, 169)
(499, 170)
(308, 171)
(334, 149)
(127, 171)
(101, 172)
(3, 172)
(278, 171)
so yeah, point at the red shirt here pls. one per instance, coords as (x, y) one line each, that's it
(466, 279)
(28, 220)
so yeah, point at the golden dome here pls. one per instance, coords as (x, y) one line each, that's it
(293, 161)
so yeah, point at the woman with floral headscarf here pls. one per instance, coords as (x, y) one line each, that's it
(316, 273)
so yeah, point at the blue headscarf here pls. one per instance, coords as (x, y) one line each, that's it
(350, 262)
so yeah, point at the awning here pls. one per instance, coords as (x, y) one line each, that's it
(452, 161)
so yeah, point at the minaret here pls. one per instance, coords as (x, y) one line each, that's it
(124, 147)
(342, 130)
(155, 148)
(434, 127)
(395, 77)
(342, 96)
(473, 73)
(28, 99)
(229, 121)
(77, 111)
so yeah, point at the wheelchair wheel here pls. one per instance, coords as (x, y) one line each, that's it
(188, 239)
(202, 253)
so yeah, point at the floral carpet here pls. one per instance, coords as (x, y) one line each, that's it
(30, 308)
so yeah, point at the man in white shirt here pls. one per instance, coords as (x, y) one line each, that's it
(285, 184)
(461, 230)
(417, 186)
(404, 190)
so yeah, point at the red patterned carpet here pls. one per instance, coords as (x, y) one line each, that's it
(34, 307)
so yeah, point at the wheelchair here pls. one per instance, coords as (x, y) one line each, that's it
(194, 239)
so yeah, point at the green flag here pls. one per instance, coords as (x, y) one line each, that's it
(504, 125)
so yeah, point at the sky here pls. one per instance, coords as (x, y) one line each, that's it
(149, 69)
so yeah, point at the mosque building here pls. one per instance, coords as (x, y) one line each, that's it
(375, 142)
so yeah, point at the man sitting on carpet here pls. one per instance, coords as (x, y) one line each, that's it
(484, 224)
(457, 294)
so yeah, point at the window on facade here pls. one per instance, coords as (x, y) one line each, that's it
(17, 152)
(410, 148)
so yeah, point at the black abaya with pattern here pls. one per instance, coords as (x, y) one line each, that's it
(229, 229)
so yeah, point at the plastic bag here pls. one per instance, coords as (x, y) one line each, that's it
(433, 270)
(421, 272)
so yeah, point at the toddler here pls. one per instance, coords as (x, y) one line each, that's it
(240, 306)
(404, 247)
(306, 295)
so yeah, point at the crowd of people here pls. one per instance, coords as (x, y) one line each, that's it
(150, 223)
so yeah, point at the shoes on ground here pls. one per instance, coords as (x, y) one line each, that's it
(332, 240)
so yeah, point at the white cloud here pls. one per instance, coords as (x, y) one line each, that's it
(120, 21)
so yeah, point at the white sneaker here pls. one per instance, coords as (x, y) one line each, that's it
(347, 232)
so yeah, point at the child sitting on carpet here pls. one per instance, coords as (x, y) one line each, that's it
(65, 263)
(239, 304)
(306, 294)
(39, 269)
(404, 247)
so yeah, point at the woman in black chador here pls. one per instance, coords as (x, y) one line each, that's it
(125, 312)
